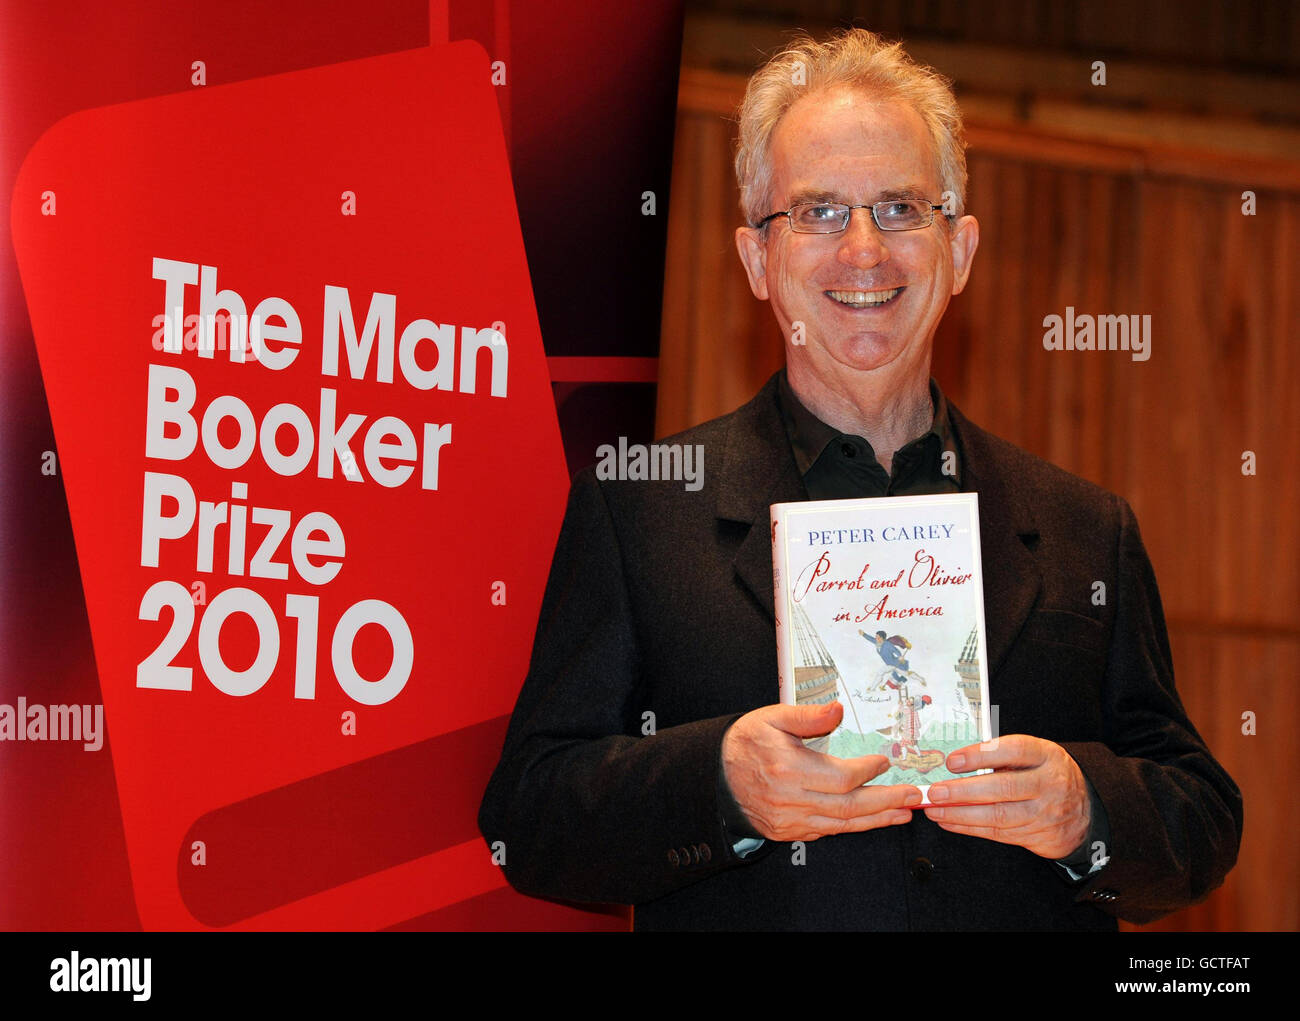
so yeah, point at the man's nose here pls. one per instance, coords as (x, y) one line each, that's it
(862, 243)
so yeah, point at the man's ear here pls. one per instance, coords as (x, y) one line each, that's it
(965, 238)
(752, 247)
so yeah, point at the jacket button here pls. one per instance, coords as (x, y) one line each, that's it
(922, 869)
(705, 853)
(685, 855)
(672, 857)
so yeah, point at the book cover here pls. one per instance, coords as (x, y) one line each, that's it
(880, 604)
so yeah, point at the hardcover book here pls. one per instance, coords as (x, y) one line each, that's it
(880, 604)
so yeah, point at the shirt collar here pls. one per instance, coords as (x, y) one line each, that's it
(809, 435)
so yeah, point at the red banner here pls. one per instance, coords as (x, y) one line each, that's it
(306, 428)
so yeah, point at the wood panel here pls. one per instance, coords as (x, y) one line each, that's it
(716, 338)
(1232, 34)
(1220, 677)
(1107, 229)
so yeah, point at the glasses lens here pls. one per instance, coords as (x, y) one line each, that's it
(903, 214)
(818, 217)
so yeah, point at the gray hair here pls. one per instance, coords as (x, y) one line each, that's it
(858, 59)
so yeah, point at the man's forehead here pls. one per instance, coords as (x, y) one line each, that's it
(831, 144)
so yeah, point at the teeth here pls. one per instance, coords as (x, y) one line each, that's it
(863, 299)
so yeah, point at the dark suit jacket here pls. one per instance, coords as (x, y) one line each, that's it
(660, 602)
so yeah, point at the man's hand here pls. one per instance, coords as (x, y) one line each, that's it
(1035, 798)
(790, 792)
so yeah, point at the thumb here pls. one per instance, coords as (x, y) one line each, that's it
(807, 720)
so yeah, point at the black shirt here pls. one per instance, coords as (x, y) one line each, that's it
(838, 466)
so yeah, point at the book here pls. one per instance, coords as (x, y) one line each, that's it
(880, 604)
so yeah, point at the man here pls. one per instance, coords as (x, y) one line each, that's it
(893, 651)
(644, 762)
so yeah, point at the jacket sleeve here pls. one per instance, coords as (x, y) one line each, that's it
(1175, 814)
(589, 806)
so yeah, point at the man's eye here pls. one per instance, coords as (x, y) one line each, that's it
(817, 215)
(896, 210)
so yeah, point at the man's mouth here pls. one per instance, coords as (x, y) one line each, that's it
(864, 299)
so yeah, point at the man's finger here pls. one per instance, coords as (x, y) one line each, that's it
(806, 815)
(1012, 751)
(868, 799)
(987, 788)
(804, 720)
(987, 832)
(1003, 815)
(829, 775)
(827, 826)
(861, 804)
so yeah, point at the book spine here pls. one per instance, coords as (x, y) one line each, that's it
(782, 607)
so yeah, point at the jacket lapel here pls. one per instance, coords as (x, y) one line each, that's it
(757, 470)
(1007, 534)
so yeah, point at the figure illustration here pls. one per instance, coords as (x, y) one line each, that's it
(894, 652)
(907, 726)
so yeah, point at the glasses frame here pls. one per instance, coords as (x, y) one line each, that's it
(848, 215)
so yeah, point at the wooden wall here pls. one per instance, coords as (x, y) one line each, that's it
(1258, 35)
(1112, 229)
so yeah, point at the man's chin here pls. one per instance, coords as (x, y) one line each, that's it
(862, 354)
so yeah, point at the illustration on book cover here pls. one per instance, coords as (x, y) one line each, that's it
(879, 604)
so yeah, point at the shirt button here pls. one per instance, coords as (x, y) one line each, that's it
(848, 450)
(922, 869)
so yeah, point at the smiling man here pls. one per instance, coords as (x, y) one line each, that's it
(870, 294)
(645, 763)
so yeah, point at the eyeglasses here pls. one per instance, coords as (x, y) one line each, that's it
(833, 217)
